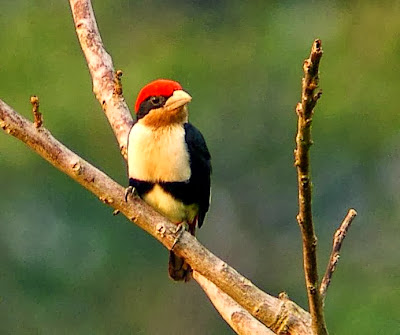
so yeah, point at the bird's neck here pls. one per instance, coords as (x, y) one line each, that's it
(158, 118)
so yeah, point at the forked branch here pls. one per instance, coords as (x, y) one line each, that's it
(234, 296)
(273, 312)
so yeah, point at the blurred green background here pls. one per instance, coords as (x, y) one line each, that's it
(67, 266)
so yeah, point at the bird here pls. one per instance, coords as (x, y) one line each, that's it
(169, 164)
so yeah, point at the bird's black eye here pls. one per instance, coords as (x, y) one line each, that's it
(155, 101)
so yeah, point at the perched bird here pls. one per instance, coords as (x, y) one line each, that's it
(169, 165)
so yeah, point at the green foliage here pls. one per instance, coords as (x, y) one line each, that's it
(68, 266)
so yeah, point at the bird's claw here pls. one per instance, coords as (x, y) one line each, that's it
(182, 226)
(130, 190)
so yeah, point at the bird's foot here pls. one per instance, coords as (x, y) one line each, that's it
(130, 191)
(181, 226)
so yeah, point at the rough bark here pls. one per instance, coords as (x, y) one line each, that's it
(105, 86)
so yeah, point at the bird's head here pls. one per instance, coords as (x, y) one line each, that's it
(162, 102)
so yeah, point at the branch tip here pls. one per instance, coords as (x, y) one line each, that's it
(317, 46)
(118, 82)
(338, 239)
(283, 296)
(76, 167)
(317, 95)
(161, 229)
(37, 116)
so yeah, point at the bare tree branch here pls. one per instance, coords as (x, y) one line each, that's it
(304, 111)
(335, 254)
(225, 287)
(273, 312)
(241, 321)
(102, 71)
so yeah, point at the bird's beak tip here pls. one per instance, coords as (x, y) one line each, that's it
(178, 99)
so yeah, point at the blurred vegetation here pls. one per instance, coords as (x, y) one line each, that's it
(69, 267)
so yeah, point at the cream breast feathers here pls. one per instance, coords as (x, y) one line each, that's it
(158, 154)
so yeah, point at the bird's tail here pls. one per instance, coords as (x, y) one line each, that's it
(178, 269)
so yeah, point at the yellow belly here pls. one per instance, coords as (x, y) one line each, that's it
(167, 205)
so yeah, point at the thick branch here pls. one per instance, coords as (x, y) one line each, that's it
(273, 312)
(102, 71)
(335, 254)
(304, 112)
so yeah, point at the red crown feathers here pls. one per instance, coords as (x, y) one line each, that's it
(164, 87)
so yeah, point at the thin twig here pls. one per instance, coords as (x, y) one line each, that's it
(37, 116)
(338, 239)
(304, 112)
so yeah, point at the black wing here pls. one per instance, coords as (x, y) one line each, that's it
(200, 166)
(197, 189)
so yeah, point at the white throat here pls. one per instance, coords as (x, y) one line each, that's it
(158, 154)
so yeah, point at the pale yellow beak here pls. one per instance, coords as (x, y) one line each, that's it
(178, 99)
